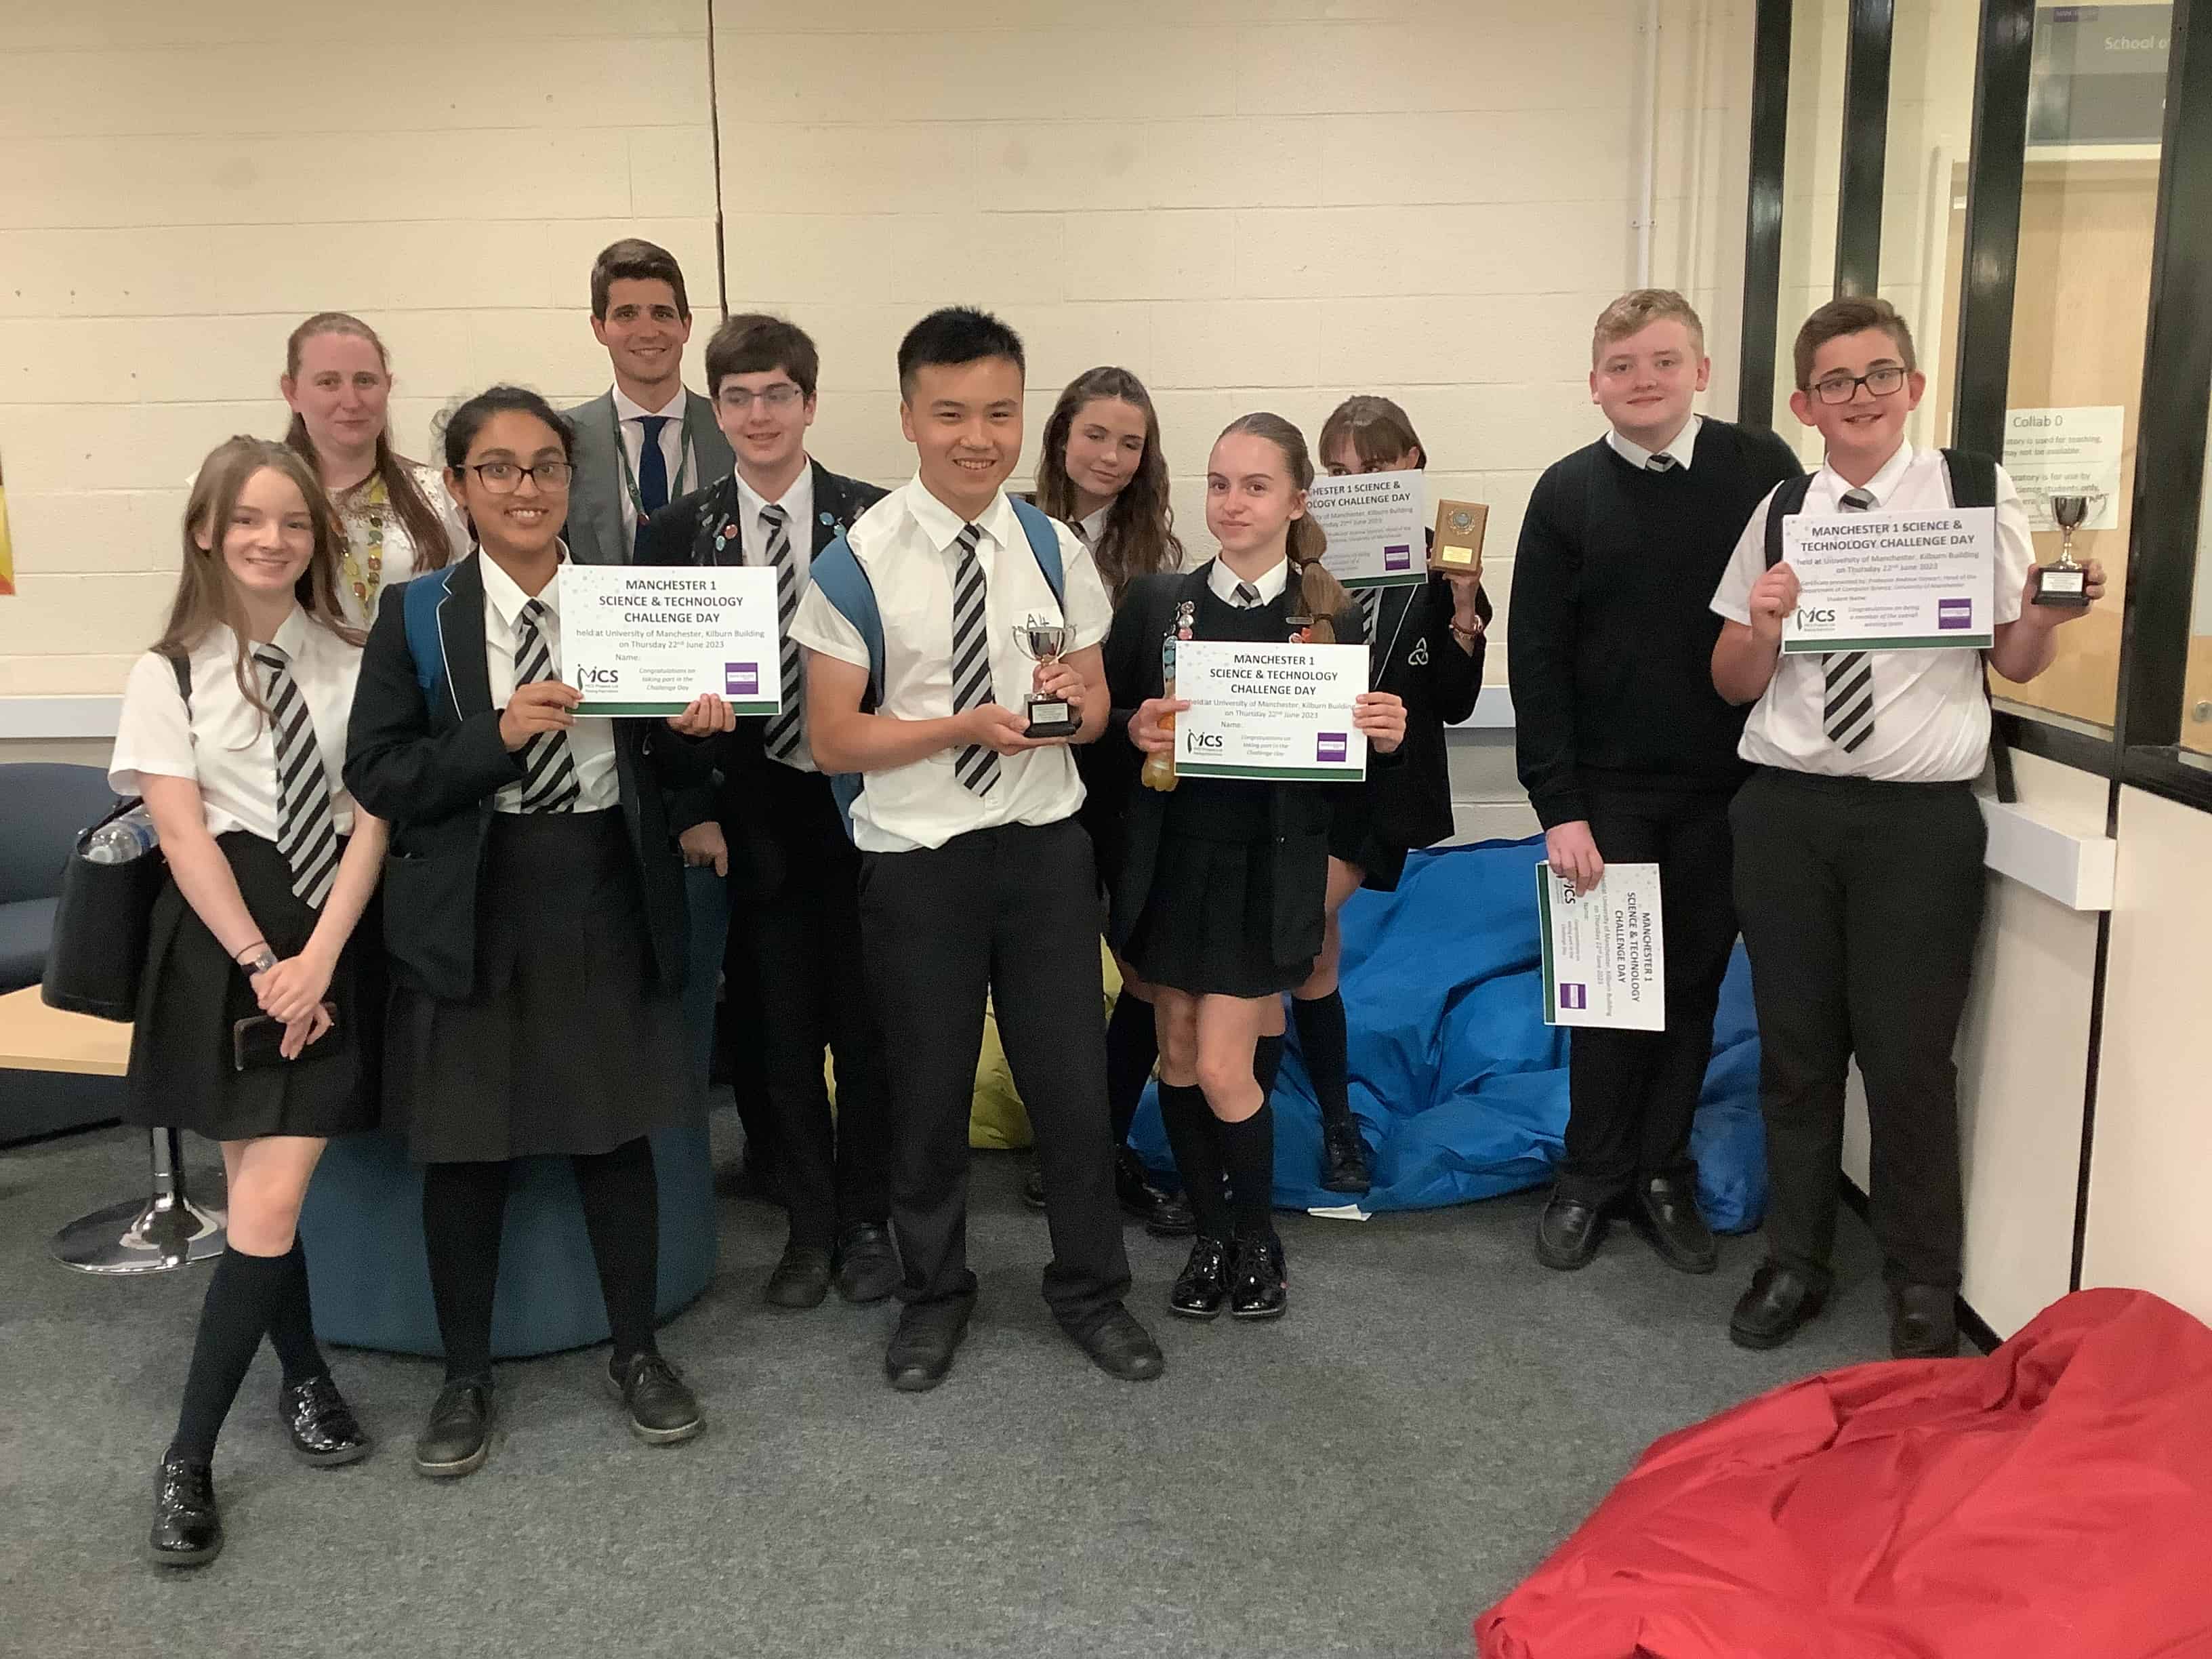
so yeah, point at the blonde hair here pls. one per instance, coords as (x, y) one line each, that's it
(1639, 309)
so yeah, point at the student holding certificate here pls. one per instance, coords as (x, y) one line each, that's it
(1859, 842)
(1221, 904)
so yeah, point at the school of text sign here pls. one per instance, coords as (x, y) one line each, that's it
(647, 642)
(1277, 712)
(1892, 582)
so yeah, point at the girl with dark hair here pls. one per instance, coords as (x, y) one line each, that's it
(1102, 471)
(535, 918)
(249, 1028)
(1219, 906)
(396, 517)
(1426, 644)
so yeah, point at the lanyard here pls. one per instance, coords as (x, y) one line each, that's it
(686, 462)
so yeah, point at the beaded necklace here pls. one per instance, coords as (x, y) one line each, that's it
(365, 511)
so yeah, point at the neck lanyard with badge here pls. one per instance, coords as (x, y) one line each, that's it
(685, 460)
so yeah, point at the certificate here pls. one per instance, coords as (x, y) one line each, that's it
(1605, 950)
(646, 641)
(1892, 582)
(1374, 522)
(1279, 712)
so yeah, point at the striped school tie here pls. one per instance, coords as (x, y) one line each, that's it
(1371, 613)
(975, 766)
(307, 835)
(1247, 596)
(781, 738)
(1850, 704)
(549, 771)
(1662, 462)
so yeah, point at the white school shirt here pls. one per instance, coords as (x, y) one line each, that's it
(1680, 450)
(227, 746)
(797, 504)
(400, 560)
(1931, 716)
(591, 739)
(629, 415)
(906, 545)
(1092, 525)
(1269, 584)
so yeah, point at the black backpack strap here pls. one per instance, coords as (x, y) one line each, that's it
(1973, 477)
(1788, 498)
(182, 667)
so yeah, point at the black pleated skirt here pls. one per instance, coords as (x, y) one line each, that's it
(183, 1074)
(567, 1044)
(1208, 925)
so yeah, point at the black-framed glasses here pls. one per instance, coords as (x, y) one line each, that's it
(775, 397)
(1883, 382)
(505, 477)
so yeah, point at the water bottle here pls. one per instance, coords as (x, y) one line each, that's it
(1158, 771)
(123, 839)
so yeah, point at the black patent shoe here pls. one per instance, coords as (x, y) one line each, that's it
(1568, 1232)
(1202, 1286)
(1344, 1163)
(1121, 1347)
(868, 1263)
(323, 1429)
(1165, 1215)
(1923, 1322)
(1780, 1302)
(800, 1278)
(187, 1529)
(1258, 1286)
(1667, 1214)
(662, 1410)
(458, 1438)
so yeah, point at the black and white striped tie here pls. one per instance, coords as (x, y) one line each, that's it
(975, 766)
(1850, 698)
(1370, 612)
(1247, 596)
(307, 835)
(781, 738)
(549, 771)
(1662, 462)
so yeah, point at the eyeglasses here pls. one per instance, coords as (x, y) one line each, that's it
(776, 396)
(505, 477)
(1842, 388)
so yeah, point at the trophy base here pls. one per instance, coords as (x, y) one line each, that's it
(1453, 558)
(2066, 589)
(1051, 718)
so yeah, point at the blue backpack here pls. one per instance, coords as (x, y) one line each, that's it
(422, 595)
(837, 572)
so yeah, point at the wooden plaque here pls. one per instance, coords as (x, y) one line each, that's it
(1458, 546)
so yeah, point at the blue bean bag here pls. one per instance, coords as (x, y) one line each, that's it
(1459, 1088)
(370, 1280)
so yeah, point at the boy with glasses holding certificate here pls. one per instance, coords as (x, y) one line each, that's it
(1859, 841)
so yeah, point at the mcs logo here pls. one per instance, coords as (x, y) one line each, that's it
(601, 676)
(1808, 615)
(1196, 743)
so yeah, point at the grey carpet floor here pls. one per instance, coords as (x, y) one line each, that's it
(1435, 1414)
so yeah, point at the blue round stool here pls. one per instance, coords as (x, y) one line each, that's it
(370, 1278)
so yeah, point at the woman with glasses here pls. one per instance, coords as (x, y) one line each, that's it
(534, 913)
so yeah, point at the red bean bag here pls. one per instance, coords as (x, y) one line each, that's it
(2054, 1499)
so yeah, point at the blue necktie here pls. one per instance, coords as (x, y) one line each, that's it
(652, 470)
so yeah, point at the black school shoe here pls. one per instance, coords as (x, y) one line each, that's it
(662, 1410)
(321, 1426)
(1923, 1322)
(187, 1530)
(1259, 1287)
(1165, 1215)
(867, 1262)
(1344, 1163)
(1568, 1232)
(1780, 1302)
(457, 1439)
(800, 1278)
(1120, 1346)
(1202, 1287)
(1667, 1214)
(922, 1348)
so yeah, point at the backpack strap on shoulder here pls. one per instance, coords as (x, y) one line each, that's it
(1973, 477)
(182, 667)
(837, 573)
(421, 596)
(1044, 542)
(1789, 499)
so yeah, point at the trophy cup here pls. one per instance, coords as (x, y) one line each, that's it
(2067, 583)
(1048, 716)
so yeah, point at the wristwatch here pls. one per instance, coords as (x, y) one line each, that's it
(260, 962)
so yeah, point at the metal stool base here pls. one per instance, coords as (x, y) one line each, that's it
(151, 1234)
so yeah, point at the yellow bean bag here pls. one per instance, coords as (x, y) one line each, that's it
(998, 1121)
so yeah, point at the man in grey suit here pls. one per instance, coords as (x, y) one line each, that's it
(647, 440)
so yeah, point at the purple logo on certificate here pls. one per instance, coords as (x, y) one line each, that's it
(1329, 746)
(1397, 558)
(1954, 613)
(1574, 996)
(741, 679)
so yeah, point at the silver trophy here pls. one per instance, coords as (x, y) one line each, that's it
(2067, 583)
(1048, 716)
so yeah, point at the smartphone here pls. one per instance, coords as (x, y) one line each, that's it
(257, 1040)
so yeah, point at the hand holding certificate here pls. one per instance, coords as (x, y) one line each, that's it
(1892, 582)
(1604, 949)
(649, 639)
(1284, 713)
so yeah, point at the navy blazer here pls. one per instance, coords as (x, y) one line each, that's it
(430, 764)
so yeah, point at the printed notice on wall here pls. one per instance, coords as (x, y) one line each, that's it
(2066, 452)
(1604, 950)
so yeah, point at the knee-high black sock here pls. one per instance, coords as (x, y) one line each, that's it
(1323, 1045)
(1266, 1062)
(1133, 1043)
(1248, 1147)
(621, 1213)
(292, 1322)
(464, 1209)
(232, 1320)
(1194, 1138)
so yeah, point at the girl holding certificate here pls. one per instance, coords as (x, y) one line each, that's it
(535, 918)
(1221, 900)
(397, 517)
(248, 1027)
(1101, 470)
(1427, 646)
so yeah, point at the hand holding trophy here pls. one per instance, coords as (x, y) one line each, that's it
(2066, 583)
(1048, 716)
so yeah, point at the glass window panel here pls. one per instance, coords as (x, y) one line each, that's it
(1812, 170)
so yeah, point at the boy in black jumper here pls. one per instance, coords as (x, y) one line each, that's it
(1628, 751)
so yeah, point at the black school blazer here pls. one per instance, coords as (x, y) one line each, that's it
(1300, 811)
(428, 766)
(1414, 654)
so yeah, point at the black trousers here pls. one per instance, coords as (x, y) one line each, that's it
(1633, 1095)
(1861, 905)
(800, 944)
(1009, 914)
